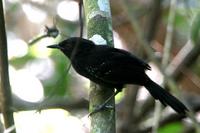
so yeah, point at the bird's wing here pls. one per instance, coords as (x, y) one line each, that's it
(115, 66)
(129, 58)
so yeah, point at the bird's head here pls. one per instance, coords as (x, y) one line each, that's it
(73, 44)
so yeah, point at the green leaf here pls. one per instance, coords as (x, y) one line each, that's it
(195, 29)
(175, 127)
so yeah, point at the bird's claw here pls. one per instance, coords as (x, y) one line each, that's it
(100, 108)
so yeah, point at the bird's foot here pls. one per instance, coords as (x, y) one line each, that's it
(100, 108)
(104, 105)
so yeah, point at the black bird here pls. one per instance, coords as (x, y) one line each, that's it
(113, 68)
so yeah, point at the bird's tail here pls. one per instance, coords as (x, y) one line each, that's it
(165, 97)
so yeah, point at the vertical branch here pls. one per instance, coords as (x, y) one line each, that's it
(81, 18)
(5, 84)
(99, 30)
(170, 27)
(153, 22)
(166, 57)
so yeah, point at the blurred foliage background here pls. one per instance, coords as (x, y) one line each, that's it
(40, 79)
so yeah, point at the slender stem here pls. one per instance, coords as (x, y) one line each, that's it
(169, 34)
(5, 84)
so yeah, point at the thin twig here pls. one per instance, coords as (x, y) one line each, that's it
(81, 34)
(49, 32)
(5, 83)
(53, 102)
(166, 57)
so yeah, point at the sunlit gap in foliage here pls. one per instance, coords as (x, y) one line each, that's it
(68, 10)
(26, 81)
(17, 48)
(25, 85)
(117, 41)
(49, 121)
(34, 14)
(40, 50)
(39, 1)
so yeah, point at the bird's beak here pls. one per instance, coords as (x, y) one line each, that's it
(54, 46)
